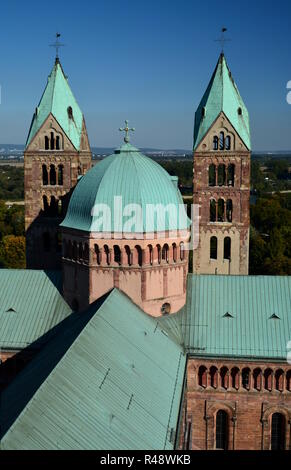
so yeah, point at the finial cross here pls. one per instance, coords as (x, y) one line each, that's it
(57, 44)
(126, 129)
(222, 38)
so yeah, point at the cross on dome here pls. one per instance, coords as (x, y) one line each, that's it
(126, 129)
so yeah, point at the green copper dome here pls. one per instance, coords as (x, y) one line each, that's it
(124, 185)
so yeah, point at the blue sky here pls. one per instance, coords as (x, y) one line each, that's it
(148, 61)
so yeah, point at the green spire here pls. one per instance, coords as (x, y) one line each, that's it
(58, 100)
(222, 95)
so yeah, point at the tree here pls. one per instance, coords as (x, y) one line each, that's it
(12, 252)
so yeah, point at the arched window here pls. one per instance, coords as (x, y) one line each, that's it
(45, 205)
(80, 251)
(221, 430)
(139, 255)
(221, 176)
(278, 432)
(213, 248)
(75, 251)
(46, 242)
(97, 254)
(44, 175)
(215, 143)
(53, 207)
(227, 248)
(57, 142)
(52, 175)
(174, 247)
(159, 251)
(46, 143)
(229, 210)
(257, 379)
(202, 376)
(86, 253)
(220, 210)
(224, 377)
(230, 174)
(117, 254)
(212, 175)
(58, 242)
(128, 255)
(52, 141)
(107, 254)
(65, 249)
(70, 112)
(60, 207)
(70, 249)
(268, 379)
(279, 378)
(166, 308)
(165, 253)
(213, 376)
(182, 251)
(239, 111)
(212, 211)
(235, 378)
(150, 254)
(246, 378)
(227, 143)
(60, 175)
(221, 141)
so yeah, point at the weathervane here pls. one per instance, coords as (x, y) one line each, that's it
(222, 39)
(127, 130)
(57, 44)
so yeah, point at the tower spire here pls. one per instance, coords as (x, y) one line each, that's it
(57, 44)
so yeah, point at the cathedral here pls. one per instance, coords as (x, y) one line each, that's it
(106, 340)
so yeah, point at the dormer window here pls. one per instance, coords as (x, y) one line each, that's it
(203, 112)
(70, 112)
(239, 111)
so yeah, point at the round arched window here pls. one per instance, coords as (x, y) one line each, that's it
(166, 308)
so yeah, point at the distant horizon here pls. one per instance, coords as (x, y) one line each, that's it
(155, 149)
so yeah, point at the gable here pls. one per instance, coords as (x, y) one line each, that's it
(221, 124)
(49, 125)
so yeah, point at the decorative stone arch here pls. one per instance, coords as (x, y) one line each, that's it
(202, 375)
(267, 424)
(211, 414)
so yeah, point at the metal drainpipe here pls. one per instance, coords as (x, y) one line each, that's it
(234, 420)
(206, 417)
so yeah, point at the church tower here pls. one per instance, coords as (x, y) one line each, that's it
(57, 152)
(222, 152)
